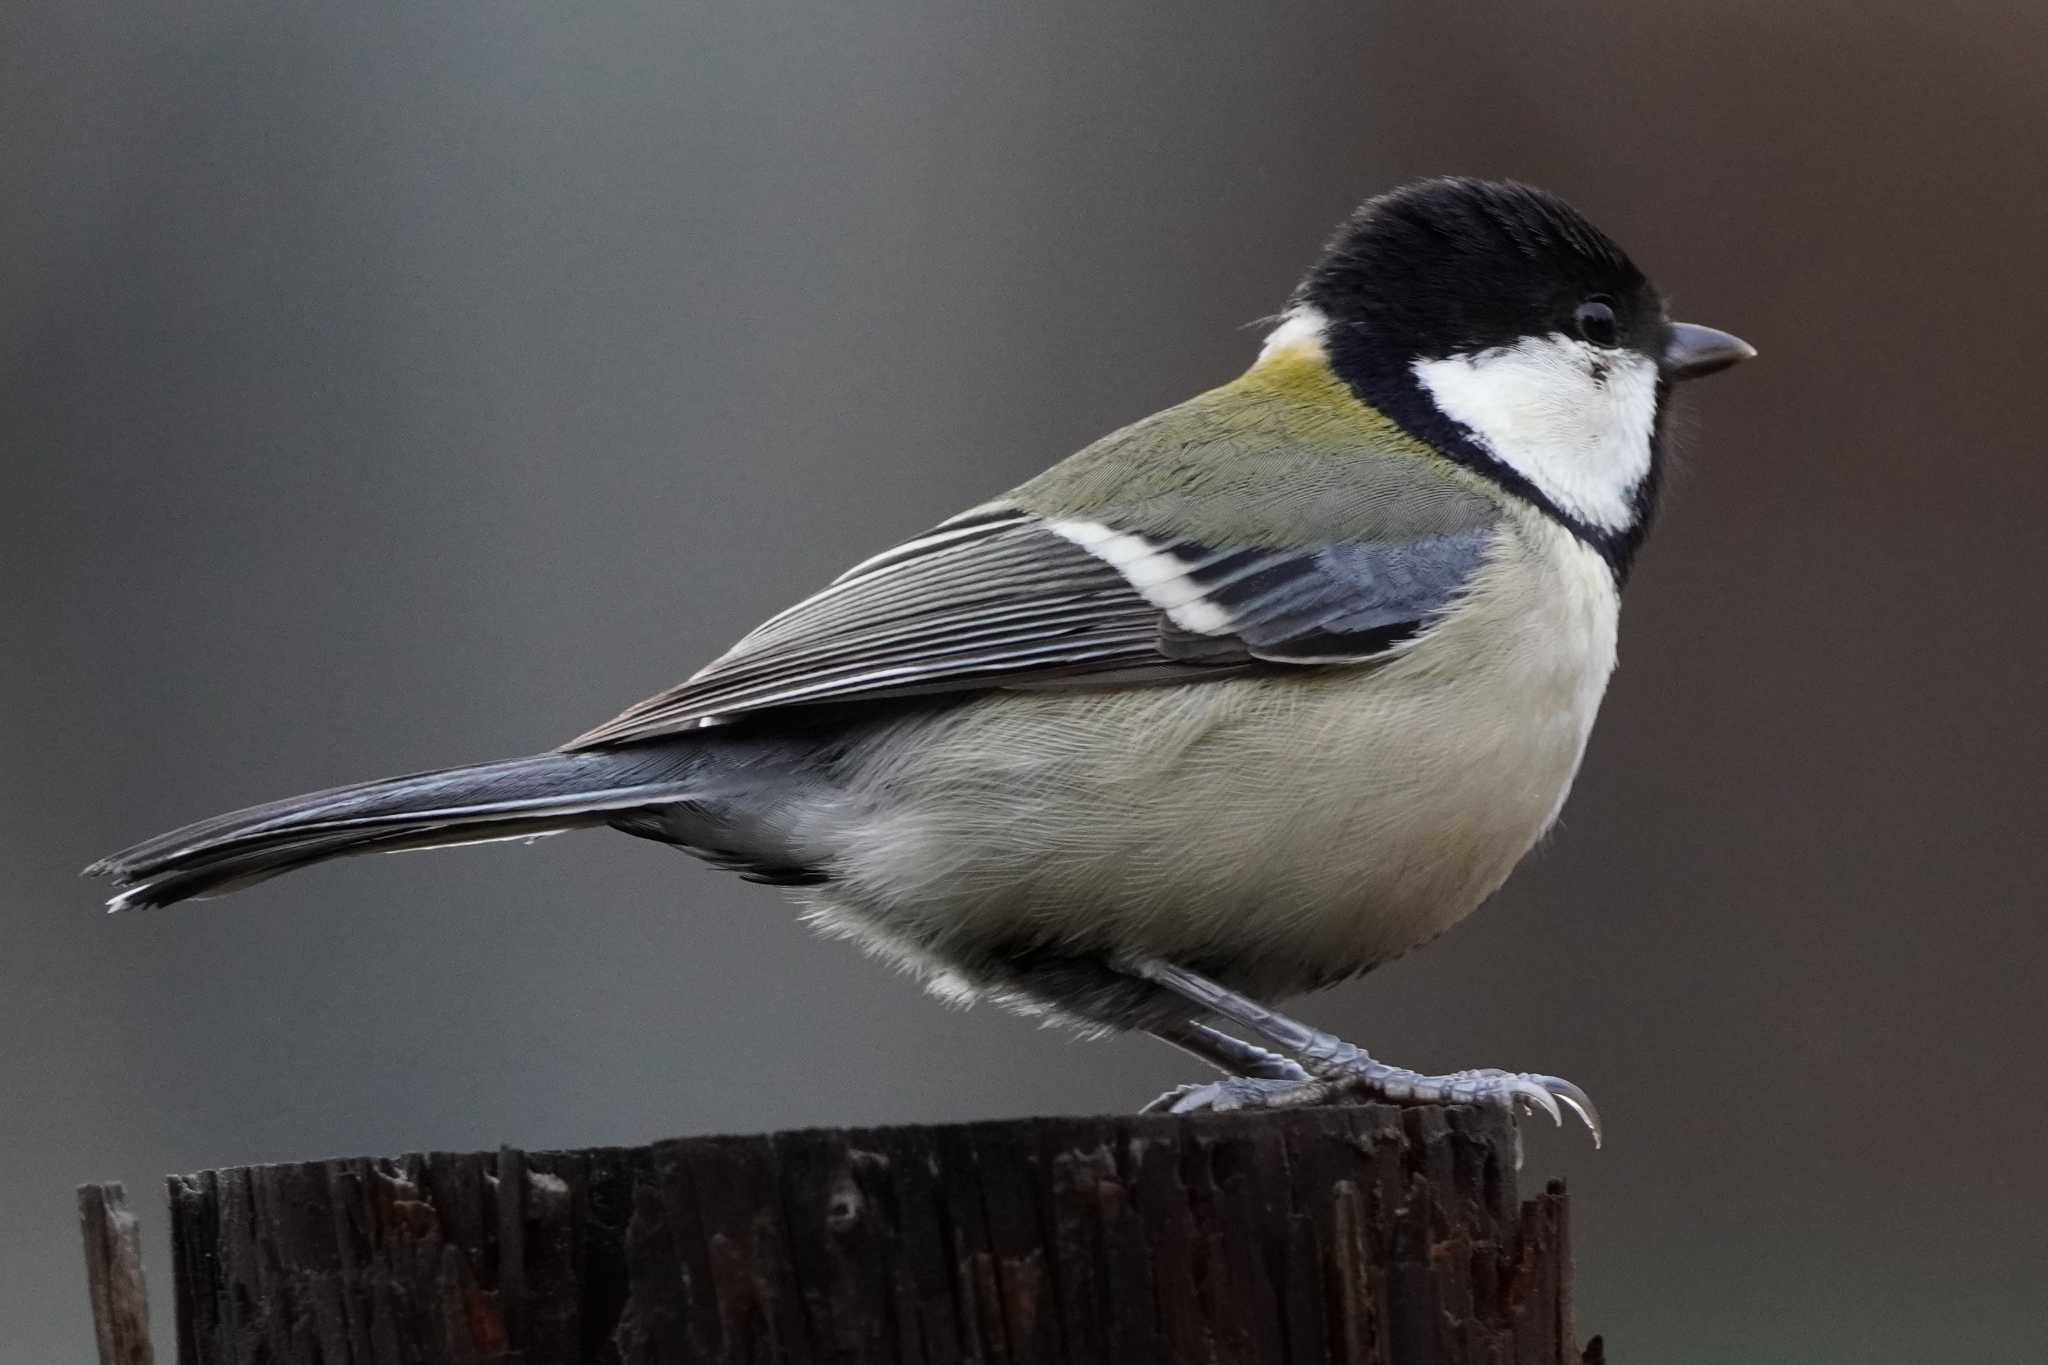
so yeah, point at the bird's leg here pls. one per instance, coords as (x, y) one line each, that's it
(1246, 1062)
(1336, 1068)
(1232, 1056)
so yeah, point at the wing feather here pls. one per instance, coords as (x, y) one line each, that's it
(1000, 598)
(965, 606)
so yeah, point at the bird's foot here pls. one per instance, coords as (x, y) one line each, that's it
(1519, 1092)
(1365, 1079)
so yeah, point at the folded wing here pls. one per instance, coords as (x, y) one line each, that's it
(1001, 597)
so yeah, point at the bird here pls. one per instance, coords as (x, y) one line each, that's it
(1235, 704)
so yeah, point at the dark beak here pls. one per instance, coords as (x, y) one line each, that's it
(1692, 351)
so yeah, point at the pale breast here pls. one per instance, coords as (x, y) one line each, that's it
(1297, 830)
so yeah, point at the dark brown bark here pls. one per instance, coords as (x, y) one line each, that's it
(1320, 1235)
(113, 1275)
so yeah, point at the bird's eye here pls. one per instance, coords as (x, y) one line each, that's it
(1595, 321)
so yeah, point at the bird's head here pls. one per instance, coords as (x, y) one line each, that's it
(1498, 325)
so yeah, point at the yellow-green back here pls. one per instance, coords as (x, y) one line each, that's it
(1283, 455)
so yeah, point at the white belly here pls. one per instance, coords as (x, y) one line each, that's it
(1282, 833)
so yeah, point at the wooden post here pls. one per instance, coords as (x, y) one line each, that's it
(113, 1275)
(1319, 1235)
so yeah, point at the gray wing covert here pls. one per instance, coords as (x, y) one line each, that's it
(1317, 604)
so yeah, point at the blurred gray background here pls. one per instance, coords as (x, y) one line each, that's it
(392, 386)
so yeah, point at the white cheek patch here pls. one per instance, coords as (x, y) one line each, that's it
(1572, 419)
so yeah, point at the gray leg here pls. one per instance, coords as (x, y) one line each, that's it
(1231, 1056)
(1247, 1062)
(1337, 1068)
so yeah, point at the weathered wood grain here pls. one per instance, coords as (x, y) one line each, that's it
(113, 1275)
(1366, 1234)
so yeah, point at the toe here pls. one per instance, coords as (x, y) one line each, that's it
(1234, 1093)
(1207, 1099)
(1525, 1090)
(1580, 1102)
(1169, 1103)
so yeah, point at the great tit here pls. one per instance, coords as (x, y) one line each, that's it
(1238, 702)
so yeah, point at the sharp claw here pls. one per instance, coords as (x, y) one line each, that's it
(1537, 1098)
(1578, 1099)
(1192, 1098)
(1226, 1096)
(1587, 1117)
(1165, 1104)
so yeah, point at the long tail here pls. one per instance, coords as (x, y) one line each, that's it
(515, 799)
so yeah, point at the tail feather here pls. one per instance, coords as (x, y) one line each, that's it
(519, 798)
